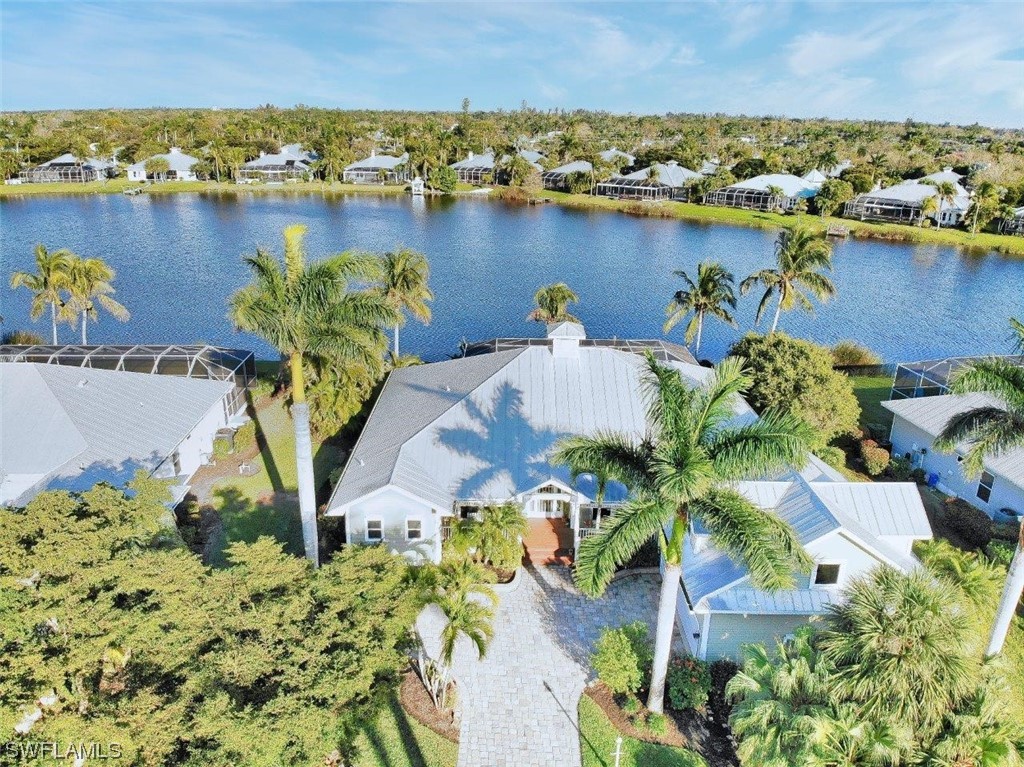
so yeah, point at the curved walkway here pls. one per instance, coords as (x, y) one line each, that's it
(519, 703)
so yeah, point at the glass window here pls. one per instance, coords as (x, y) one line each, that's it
(985, 486)
(374, 530)
(413, 529)
(826, 575)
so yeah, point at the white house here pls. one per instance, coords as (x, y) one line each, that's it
(663, 180)
(179, 167)
(475, 168)
(918, 422)
(292, 163)
(758, 193)
(903, 202)
(70, 169)
(67, 428)
(378, 169)
(446, 438)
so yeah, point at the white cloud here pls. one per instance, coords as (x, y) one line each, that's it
(817, 52)
(686, 56)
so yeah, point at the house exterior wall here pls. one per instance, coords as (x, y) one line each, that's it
(853, 560)
(728, 632)
(393, 508)
(907, 438)
(195, 450)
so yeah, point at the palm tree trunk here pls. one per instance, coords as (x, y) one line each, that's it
(396, 341)
(666, 616)
(85, 324)
(1009, 601)
(778, 311)
(700, 329)
(304, 461)
(53, 322)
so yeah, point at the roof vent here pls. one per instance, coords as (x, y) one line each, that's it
(565, 339)
(82, 383)
(373, 153)
(360, 461)
(447, 388)
(469, 156)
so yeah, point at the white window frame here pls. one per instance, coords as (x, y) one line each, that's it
(366, 530)
(417, 520)
(989, 486)
(827, 563)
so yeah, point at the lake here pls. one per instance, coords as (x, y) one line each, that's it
(178, 257)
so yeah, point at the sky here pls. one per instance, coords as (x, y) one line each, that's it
(932, 61)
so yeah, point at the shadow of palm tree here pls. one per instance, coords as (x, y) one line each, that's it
(504, 444)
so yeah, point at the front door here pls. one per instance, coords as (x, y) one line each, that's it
(549, 506)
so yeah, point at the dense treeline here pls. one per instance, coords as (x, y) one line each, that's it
(225, 139)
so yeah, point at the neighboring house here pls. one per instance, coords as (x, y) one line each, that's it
(757, 194)
(1013, 224)
(709, 167)
(67, 428)
(449, 437)
(69, 169)
(902, 203)
(475, 169)
(558, 178)
(848, 528)
(837, 170)
(179, 167)
(671, 182)
(918, 422)
(378, 169)
(815, 177)
(292, 163)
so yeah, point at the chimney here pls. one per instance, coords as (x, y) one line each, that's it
(469, 156)
(948, 169)
(175, 150)
(565, 339)
(262, 153)
(373, 153)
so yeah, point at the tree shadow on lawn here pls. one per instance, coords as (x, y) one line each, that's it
(412, 754)
(242, 519)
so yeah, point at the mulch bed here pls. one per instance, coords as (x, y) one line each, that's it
(503, 576)
(686, 729)
(417, 703)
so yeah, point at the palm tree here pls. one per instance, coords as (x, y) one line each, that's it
(553, 304)
(47, 284)
(776, 193)
(992, 430)
(653, 174)
(679, 475)
(1017, 335)
(405, 277)
(945, 192)
(466, 618)
(712, 294)
(801, 256)
(929, 207)
(307, 311)
(89, 290)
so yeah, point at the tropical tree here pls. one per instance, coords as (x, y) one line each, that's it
(653, 174)
(466, 618)
(679, 475)
(553, 304)
(945, 191)
(495, 537)
(991, 430)
(776, 193)
(985, 202)
(405, 277)
(157, 167)
(309, 311)
(801, 256)
(711, 294)
(48, 285)
(929, 207)
(90, 289)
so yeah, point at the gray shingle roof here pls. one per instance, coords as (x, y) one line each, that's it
(69, 427)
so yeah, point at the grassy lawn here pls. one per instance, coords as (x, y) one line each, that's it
(871, 391)
(597, 741)
(266, 503)
(398, 740)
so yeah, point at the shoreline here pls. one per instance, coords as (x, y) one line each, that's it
(1006, 245)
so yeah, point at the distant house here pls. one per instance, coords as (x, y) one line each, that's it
(67, 428)
(447, 438)
(69, 169)
(179, 167)
(837, 170)
(709, 167)
(917, 422)
(1013, 224)
(757, 194)
(292, 163)
(815, 177)
(903, 203)
(670, 181)
(558, 178)
(378, 169)
(475, 169)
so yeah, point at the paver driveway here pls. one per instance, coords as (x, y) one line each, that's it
(519, 704)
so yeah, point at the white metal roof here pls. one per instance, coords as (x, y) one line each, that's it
(378, 162)
(670, 173)
(71, 427)
(69, 159)
(931, 414)
(290, 154)
(485, 161)
(177, 161)
(576, 166)
(743, 599)
(610, 154)
(791, 186)
(814, 176)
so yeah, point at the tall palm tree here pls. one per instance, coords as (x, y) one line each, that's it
(801, 256)
(48, 284)
(466, 618)
(678, 475)
(405, 283)
(712, 294)
(946, 192)
(90, 289)
(992, 430)
(308, 311)
(777, 193)
(929, 207)
(553, 304)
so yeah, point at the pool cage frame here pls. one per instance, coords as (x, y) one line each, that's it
(928, 378)
(640, 189)
(76, 173)
(871, 208)
(748, 199)
(478, 175)
(663, 351)
(197, 361)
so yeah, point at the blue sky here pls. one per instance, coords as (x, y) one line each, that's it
(934, 61)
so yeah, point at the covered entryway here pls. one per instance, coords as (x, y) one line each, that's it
(548, 542)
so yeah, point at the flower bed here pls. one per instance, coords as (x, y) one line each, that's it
(417, 703)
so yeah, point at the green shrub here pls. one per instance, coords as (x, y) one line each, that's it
(852, 353)
(221, 447)
(689, 681)
(971, 525)
(721, 672)
(444, 179)
(632, 705)
(876, 459)
(1000, 552)
(901, 469)
(622, 657)
(245, 437)
(832, 455)
(22, 338)
(657, 724)
(263, 387)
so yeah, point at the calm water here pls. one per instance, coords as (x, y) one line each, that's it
(178, 258)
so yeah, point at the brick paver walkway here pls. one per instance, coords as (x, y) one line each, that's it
(519, 704)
